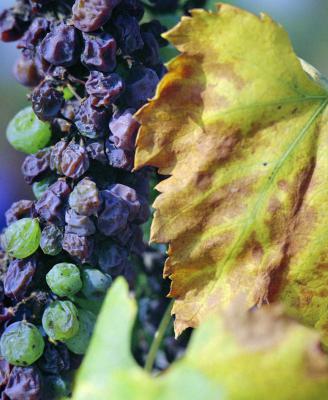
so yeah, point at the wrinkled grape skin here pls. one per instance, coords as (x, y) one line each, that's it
(26, 71)
(11, 28)
(79, 247)
(46, 100)
(26, 133)
(19, 277)
(99, 52)
(61, 46)
(91, 121)
(35, 33)
(95, 283)
(64, 279)
(60, 320)
(127, 195)
(80, 225)
(51, 240)
(74, 161)
(22, 238)
(19, 209)
(78, 344)
(127, 32)
(103, 89)
(54, 359)
(112, 258)
(21, 343)
(119, 158)
(114, 214)
(85, 198)
(124, 128)
(24, 384)
(36, 165)
(88, 16)
(40, 187)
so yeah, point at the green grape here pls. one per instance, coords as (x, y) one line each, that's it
(40, 187)
(57, 387)
(78, 344)
(26, 133)
(60, 320)
(22, 238)
(95, 283)
(64, 279)
(21, 343)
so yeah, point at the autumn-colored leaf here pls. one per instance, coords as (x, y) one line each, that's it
(242, 132)
(234, 357)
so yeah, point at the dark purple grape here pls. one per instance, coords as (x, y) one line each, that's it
(55, 359)
(119, 158)
(149, 54)
(61, 46)
(80, 225)
(90, 15)
(11, 27)
(127, 33)
(24, 384)
(51, 240)
(140, 87)
(91, 121)
(138, 245)
(26, 71)
(131, 7)
(46, 100)
(112, 258)
(114, 214)
(56, 156)
(96, 151)
(124, 129)
(74, 161)
(20, 209)
(18, 278)
(36, 165)
(99, 52)
(104, 89)
(35, 33)
(125, 236)
(144, 211)
(78, 247)
(51, 206)
(156, 28)
(4, 372)
(160, 70)
(128, 196)
(85, 198)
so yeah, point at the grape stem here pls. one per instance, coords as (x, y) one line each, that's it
(159, 335)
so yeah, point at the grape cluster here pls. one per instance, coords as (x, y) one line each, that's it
(90, 65)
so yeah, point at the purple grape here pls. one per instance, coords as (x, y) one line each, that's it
(79, 247)
(99, 52)
(127, 33)
(128, 196)
(119, 158)
(55, 359)
(4, 372)
(74, 161)
(20, 209)
(140, 87)
(19, 278)
(11, 27)
(35, 33)
(156, 28)
(104, 89)
(113, 217)
(124, 129)
(96, 151)
(36, 165)
(91, 121)
(46, 100)
(61, 46)
(112, 258)
(26, 70)
(149, 54)
(90, 15)
(79, 224)
(56, 156)
(51, 240)
(24, 384)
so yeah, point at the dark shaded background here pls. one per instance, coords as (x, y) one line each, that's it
(305, 20)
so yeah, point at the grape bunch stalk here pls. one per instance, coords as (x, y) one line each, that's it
(90, 66)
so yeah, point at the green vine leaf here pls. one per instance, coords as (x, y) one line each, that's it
(242, 132)
(234, 357)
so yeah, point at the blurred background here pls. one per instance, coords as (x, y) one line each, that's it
(305, 20)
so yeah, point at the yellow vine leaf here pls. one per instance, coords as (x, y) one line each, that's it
(241, 131)
(233, 356)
